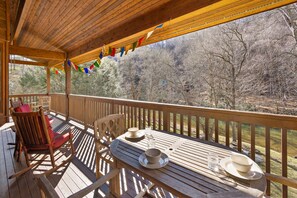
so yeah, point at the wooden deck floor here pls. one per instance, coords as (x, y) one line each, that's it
(67, 180)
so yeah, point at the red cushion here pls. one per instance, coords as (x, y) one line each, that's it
(48, 121)
(25, 108)
(18, 109)
(51, 133)
(60, 140)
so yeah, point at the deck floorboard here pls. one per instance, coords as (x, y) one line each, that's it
(67, 180)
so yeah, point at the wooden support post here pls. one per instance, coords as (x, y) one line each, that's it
(67, 86)
(5, 83)
(48, 80)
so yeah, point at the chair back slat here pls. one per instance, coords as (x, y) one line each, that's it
(31, 128)
(109, 127)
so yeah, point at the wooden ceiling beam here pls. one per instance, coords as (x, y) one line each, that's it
(23, 11)
(55, 63)
(22, 62)
(166, 12)
(36, 53)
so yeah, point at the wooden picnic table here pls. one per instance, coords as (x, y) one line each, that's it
(187, 173)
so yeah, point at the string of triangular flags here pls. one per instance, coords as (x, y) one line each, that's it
(111, 52)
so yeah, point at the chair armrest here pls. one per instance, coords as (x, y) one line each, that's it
(96, 184)
(46, 187)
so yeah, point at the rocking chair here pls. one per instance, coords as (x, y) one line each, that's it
(36, 137)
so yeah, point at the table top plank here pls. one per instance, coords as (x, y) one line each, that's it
(187, 173)
(126, 155)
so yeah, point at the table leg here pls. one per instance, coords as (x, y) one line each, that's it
(115, 188)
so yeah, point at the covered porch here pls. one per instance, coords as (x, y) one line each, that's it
(74, 31)
(75, 176)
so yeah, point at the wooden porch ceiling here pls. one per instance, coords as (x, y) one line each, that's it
(81, 28)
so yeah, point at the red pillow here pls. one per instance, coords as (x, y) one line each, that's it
(51, 133)
(25, 108)
(47, 121)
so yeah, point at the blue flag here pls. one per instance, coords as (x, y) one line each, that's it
(122, 51)
(86, 70)
(159, 26)
(69, 63)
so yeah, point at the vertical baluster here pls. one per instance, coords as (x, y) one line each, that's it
(100, 110)
(206, 128)
(139, 118)
(148, 117)
(239, 142)
(267, 158)
(181, 124)
(104, 109)
(132, 116)
(166, 120)
(143, 117)
(216, 130)
(174, 122)
(189, 126)
(159, 118)
(253, 138)
(96, 110)
(227, 134)
(135, 116)
(284, 153)
(129, 116)
(154, 119)
(126, 116)
(197, 127)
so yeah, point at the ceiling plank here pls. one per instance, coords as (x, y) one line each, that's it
(165, 12)
(36, 53)
(22, 62)
(21, 17)
(221, 12)
(55, 63)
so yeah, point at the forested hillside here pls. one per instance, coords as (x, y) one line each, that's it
(248, 64)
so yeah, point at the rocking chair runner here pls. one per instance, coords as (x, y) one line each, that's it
(37, 137)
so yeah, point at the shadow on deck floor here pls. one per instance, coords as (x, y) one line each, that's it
(69, 179)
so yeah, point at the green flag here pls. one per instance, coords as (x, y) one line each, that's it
(97, 64)
(80, 69)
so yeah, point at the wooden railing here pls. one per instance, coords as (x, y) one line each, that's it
(255, 133)
(27, 98)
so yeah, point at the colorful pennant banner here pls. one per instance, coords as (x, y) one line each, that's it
(111, 51)
(86, 70)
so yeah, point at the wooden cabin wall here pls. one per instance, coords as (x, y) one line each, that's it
(4, 55)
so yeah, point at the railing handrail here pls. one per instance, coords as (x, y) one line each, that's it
(257, 118)
(27, 95)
